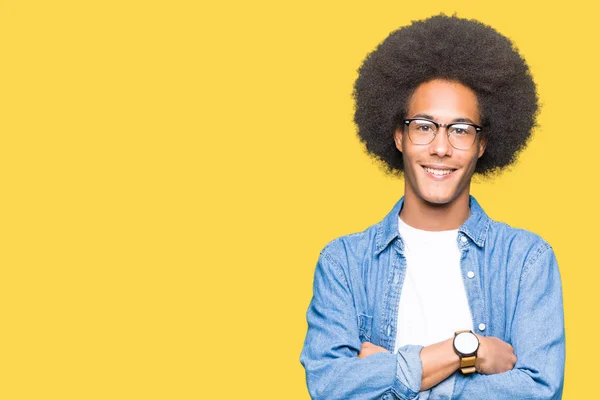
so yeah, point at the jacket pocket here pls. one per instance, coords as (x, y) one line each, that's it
(365, 323)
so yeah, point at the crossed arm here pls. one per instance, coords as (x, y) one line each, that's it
(439, 360)
(338, 365)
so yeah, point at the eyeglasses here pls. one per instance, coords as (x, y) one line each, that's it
(461, 135)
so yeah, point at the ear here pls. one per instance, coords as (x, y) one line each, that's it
(482, 143)
(398, 138)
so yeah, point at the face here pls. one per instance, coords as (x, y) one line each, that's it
(437, 173)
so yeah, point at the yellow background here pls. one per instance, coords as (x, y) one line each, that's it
(170, 171)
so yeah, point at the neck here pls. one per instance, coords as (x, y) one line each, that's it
(426, 216)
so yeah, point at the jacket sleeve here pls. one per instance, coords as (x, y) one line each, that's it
(330, 353)
(537, 336)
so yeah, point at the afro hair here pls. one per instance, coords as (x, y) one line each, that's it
(456, 49)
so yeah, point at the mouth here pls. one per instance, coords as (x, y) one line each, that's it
(439, 171)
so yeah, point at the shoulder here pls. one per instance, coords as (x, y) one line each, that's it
(341, 259)
(519, 249)
(367, 243)
(351, 246)
(503, 236)
(501, 239)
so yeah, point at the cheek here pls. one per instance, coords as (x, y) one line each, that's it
(408, 160)
(472, 164)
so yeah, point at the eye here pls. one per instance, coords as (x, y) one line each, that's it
(423, 126)
(461, 129)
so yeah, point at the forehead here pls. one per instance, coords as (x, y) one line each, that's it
(444, 101)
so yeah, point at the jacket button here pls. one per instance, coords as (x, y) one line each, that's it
(463, 239)
(481, 327)
(471, 274)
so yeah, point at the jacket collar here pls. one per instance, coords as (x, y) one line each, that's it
(475, 227)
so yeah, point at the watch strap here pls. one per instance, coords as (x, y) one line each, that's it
(467, 363)
(468, 370)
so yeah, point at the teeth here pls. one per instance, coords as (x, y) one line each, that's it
(438, 172)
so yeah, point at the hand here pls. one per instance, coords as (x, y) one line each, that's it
(494, 356)
(368, 349)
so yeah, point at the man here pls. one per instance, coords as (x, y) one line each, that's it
(437, 301)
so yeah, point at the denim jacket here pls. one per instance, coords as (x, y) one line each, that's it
(514, 292)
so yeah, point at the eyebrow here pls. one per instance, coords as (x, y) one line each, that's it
(427, 116)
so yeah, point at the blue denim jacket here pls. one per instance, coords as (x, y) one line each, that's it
(515, 295)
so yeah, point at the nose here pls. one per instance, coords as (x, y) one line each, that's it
(440, 145)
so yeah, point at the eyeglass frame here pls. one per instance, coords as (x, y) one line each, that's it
(407, 121)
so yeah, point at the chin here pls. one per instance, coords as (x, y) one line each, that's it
(438, 199)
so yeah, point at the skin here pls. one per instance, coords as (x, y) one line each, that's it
(429, 203)
(435, 204)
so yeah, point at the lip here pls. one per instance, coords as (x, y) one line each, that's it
(438, 166)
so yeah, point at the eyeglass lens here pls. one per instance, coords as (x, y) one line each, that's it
(461, 136)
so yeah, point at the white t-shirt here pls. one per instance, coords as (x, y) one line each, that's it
(433, 302)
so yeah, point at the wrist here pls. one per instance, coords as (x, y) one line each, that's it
(481, 352)
(455, 357)
(466, 345)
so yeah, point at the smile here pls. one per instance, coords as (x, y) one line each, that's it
(438, 172)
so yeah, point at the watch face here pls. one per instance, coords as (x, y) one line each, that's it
(466, 343)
